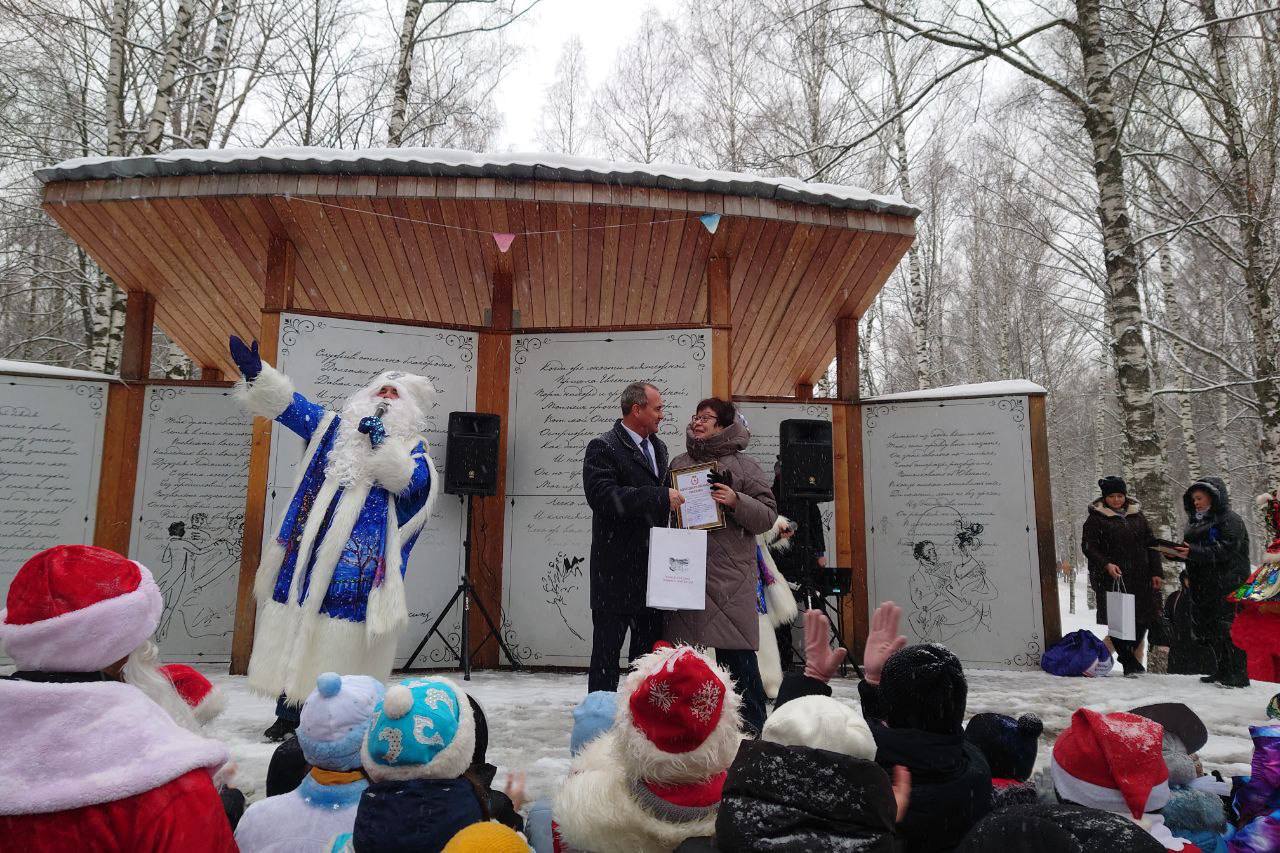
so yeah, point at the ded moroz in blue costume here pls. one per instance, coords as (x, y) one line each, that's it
(330, 586)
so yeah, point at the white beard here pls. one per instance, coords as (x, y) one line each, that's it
(142, 670)
(349, 459)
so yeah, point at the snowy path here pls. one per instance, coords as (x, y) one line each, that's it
(530, 714)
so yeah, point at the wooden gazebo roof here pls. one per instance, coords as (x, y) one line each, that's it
(407, 235)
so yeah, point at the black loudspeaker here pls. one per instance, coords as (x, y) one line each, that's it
(471, 455)
(805, 454)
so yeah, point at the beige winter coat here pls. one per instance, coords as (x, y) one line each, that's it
(730, 620)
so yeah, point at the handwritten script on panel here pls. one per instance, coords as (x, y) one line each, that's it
(951, 525)
(50, 453)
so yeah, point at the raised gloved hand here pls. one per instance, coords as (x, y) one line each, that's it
(246, 358)
(373, 427)
(882, 641)
(820, 660)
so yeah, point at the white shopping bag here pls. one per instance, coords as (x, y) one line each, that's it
(1121, 621)
(677, 569)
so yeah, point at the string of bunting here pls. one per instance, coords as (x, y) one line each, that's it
(504, 239)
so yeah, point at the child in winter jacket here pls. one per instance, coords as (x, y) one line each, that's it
(913, 699)
(592, 717)
(334, 720)
(1010, 748)
(1113, 762)
(90, 754)
(811, 783)
(1192, 812)
(1256, 801)
(418, 747)
(655, 779)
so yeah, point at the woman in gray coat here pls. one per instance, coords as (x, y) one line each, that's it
(730, 622)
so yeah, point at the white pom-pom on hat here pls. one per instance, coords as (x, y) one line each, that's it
(398, 701)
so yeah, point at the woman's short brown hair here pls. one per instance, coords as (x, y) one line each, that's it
(725, 411)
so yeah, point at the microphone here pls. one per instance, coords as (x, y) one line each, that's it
(381, 409)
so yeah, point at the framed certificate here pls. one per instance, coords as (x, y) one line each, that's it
(699, 511)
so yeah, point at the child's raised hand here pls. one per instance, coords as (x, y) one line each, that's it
(514, 789)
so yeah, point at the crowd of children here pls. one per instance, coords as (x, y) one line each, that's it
(98, 752)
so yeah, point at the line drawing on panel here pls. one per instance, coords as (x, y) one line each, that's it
(195, 557)
(950, 591)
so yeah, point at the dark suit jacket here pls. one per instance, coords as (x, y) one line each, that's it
(626, 499)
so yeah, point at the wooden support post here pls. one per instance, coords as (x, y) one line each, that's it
(493, 369)
(803, 391)
(123, 434)
(720, 315)
(277, 296)
(210, 374)
(1051, 616)
(849, 482)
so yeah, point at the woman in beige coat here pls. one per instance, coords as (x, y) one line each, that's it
(730, 623)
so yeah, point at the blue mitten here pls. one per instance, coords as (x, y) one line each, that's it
(372, 427)
(246, 358)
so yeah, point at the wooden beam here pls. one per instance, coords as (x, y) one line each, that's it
(847, 368)
(852, 515)
(803, 391)
(493, 367)
(281, 272)
(501, 298)
(119, 474)
(719, 315)
(135, 349)
(1050, 614)
(210, 374)
(277, 296)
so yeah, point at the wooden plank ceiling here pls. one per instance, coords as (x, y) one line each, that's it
(365, 248)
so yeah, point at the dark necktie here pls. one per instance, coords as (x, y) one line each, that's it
(648, 456)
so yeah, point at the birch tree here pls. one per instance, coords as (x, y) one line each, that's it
(638, 113)
(567, 102)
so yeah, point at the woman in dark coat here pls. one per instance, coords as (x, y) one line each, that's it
(1217, 553)
(1116, 541)
(730, 622)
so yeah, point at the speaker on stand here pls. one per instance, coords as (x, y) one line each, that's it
(470, 469)
(806, 478)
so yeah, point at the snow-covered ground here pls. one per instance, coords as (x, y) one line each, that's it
(530, 714)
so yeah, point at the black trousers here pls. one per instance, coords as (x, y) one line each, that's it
(1126, 650)
(607, 631)
(744, 669)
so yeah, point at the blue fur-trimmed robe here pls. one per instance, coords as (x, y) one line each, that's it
(352, 542)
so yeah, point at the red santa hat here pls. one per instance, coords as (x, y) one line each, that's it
(1112, 762)
(78, 608)
(677, 718)
(205, 700)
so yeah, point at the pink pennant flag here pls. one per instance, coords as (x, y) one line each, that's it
(504, 241)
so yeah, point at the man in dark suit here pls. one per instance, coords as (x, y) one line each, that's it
(624, 476)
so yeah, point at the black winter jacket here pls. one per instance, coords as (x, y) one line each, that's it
(1057, 828)
(950, 779)
(626, 500)
(1218, 561)
(792, 799)
(1123, 539)
(414, 816)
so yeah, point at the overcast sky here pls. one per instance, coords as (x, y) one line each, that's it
(603, 25)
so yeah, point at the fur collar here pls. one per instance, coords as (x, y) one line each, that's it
(64, 746)
(1131, 507)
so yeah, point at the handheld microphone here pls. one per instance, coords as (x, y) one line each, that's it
(381, 409)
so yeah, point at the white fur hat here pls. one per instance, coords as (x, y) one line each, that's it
(412, 387)
(821, 722)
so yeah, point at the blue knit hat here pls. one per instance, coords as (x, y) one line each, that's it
(423, 729)
(335, 717)
(592, 718)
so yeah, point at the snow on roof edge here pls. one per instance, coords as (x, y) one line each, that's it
(1003, 388)
(446, 162)
(33, 368)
